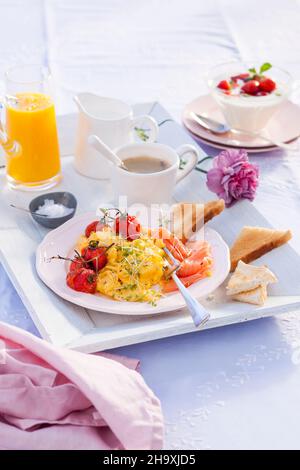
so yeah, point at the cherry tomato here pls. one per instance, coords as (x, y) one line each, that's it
(128, 227)
(95, 255)
(95, 226)
(77, 263)
(82, 280)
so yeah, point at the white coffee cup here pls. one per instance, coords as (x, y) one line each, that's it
(151, 188)
(113, 122)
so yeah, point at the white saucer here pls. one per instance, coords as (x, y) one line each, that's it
(283, 127)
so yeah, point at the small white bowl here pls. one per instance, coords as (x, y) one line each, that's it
(246, 112)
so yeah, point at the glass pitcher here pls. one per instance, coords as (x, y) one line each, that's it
(29, 135)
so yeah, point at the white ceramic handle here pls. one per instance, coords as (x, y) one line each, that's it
(192, 155)
(147, 123)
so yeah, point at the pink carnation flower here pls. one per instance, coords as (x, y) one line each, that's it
(233, 177)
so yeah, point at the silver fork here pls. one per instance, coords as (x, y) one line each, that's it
(199, 314)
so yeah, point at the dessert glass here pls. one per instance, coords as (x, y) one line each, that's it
(248, 112)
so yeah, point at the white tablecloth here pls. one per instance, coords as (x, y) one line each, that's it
(236, 387)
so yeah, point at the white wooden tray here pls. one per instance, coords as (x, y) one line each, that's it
(62, 323)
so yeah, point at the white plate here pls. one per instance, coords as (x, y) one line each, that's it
(283, 127)
(62, 241)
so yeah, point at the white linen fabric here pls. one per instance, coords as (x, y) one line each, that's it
(161, 50)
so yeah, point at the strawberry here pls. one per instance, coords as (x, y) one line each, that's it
(267, 84)
(82, 280)
(127, 226)
(95, 255)
(224, 85)
(233, 84)
(251, 87)
(95, 226)
(241, 76)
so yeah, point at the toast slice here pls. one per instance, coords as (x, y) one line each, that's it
(212, 209)
(254, 242)
(187, 218)
(256, 296)
(248, 277)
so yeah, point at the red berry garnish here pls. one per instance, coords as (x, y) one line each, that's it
(267, 84)
(224, 85)
(233, 84)
(251, 87)
(241, 76)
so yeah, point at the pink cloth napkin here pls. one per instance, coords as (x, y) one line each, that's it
(55, 398)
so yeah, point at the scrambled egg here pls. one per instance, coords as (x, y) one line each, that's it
(134, 269)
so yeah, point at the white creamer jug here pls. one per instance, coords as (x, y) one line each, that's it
(113, 122)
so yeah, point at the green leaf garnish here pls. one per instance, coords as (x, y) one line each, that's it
(266, 66)
(142, 133)
(252, 70)
(182, 163)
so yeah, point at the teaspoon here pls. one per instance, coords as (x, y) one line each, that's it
(219, 128)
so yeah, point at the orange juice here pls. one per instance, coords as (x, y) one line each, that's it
(31, 122)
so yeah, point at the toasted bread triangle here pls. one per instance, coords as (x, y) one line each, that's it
(212, 209)
(256, 296)
(188, 218)
(254, 242)
(247, 277)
